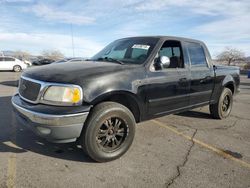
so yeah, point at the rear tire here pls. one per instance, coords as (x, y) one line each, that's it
(223, 107)
(108, 132)
(17, 68)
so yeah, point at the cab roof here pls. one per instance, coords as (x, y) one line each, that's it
(167, 38)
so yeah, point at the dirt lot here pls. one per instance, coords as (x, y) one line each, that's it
(184, 150)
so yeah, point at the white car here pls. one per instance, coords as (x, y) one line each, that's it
(27, 62)
(11, 63)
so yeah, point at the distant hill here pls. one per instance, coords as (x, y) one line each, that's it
(30, 57)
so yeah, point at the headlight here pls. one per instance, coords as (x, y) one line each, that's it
(68, 95)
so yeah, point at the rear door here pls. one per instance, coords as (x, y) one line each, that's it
(202, 74)
(6, 63)
(9, 62)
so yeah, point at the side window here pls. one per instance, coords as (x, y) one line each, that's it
(1, 59)
(172, 49)
(177, 51)
(166, 51)
(8, 59)
(197, 55)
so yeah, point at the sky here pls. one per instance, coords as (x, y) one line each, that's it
(35, 26)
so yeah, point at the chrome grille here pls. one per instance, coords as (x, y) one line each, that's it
(28, 89)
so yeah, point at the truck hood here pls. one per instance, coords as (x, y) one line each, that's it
(73, 72)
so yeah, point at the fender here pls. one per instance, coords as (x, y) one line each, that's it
(228, 80)
(129, 98)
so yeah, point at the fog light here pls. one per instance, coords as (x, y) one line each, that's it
(44, 131)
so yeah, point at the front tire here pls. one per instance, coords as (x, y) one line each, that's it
(223, 107)
(108, 132)
(17, 68)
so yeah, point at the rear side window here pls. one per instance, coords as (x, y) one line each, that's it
(9, 59)
(1, 59)
(196, 54)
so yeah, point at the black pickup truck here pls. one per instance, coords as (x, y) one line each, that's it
(98, 102)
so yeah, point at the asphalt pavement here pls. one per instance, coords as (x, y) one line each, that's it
(184, 150)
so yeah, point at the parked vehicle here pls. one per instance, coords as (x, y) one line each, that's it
(27, 63)
(42, 62)
(98, 103)
(11, 63)
(68, 60)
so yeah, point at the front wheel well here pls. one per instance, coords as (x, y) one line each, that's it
(126, 100)
(230, 86)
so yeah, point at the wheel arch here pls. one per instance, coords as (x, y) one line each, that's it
(125, 98)
(229, 83)
(21, 68)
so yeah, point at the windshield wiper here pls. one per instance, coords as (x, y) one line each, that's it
(112, 60)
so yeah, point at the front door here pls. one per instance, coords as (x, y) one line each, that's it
(168, 87)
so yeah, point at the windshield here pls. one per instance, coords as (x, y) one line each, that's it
(130, 50)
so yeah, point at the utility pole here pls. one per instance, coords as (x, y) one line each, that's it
(72, 40)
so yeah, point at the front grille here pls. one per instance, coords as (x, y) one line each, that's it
(28, 89)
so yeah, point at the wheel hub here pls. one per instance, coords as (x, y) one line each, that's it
(225, 103)
(112, 134)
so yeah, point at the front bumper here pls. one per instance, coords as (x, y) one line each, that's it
(60, 125)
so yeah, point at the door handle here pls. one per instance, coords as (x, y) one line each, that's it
(206, 79)
(182, 80)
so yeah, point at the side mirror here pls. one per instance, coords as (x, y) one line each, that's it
(162, 62)
(165, 61)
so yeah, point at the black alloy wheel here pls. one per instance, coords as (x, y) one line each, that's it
(223, 107)
(112, 134)
(108, 132)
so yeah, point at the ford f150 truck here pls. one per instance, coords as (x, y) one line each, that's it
(98, 102)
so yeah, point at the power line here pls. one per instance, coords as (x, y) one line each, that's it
(72, 40)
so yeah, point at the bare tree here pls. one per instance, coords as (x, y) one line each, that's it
(52, 54)
(231, 55)
(247, 66)
(22, 55)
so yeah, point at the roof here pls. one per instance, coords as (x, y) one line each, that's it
(167, 38)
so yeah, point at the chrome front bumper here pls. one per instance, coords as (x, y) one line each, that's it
(59, 128)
